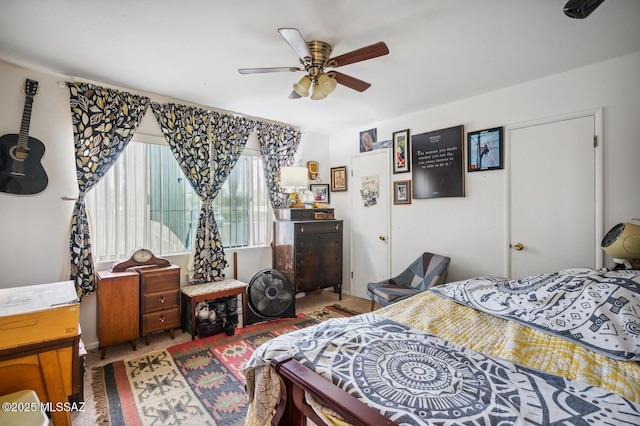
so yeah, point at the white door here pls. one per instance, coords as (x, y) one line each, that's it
(369, 224)
(553, 211)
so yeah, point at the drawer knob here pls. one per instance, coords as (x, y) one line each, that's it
(302, 229)
(162, 318)
(161, 299)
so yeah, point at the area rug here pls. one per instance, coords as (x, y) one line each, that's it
(199, 382)
(332, 311)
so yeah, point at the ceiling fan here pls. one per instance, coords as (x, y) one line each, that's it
(315, 57)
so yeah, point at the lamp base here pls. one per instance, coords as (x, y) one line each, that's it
(294, 201)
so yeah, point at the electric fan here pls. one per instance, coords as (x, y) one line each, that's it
(270, 295)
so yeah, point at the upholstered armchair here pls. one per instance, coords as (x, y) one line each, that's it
(426, 271)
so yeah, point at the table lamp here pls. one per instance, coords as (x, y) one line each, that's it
(292, 179)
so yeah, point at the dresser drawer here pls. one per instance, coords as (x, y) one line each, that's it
(160, 320)
(161, 279)
(309, 279)
(318, 227)
(319, 244)
(161, 300)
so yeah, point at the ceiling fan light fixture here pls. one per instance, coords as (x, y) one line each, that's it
(327, 83)
(318, 93)
(302, 87)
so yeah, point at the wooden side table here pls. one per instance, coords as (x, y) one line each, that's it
(195, 293)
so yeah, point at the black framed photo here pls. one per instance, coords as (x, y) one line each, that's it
(485, 150)
(320, 192)
(368, 139)
(401, 151)
(402, 192)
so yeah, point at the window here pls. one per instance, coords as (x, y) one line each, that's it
(145, 201)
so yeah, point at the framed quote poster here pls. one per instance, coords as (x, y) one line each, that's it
(438, 163)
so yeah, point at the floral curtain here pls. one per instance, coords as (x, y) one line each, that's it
(104, 121)
(278, 145)
(207, 145)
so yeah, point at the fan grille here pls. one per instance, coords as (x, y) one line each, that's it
(270, 292)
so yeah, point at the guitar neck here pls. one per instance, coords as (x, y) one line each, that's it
(23, 136)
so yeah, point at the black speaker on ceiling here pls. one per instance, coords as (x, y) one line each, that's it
(580, 9)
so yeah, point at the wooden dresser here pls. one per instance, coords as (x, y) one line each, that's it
(309, 252)
(137, 302)
(118, 308)
(159, 300)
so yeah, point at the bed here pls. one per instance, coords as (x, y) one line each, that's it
(557, 348)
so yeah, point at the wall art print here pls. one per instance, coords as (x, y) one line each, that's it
(369, 190)
(438, 163)
(401, 151)
(485, 150)
(338, 179)
(368, 139)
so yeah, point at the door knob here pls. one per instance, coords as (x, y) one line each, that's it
(382, 237)
(518, 246)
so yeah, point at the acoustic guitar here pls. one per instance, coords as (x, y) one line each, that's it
(20, 169)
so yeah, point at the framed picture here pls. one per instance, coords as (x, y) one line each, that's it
(338, 178)
(485, 150)
(368, 138)
(320, 192)
(401, 151)
(402, 192)
(437, 160)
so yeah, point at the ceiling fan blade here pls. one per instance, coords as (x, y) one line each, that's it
(294, 95)
(266, 70)
(351, 82)
(358, 55)
(295, 40)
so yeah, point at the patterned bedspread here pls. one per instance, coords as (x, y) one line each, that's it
(597, 309)
(467, 361)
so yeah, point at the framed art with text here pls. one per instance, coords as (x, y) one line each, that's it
(485, 150)
(401, 151)
(438, 163)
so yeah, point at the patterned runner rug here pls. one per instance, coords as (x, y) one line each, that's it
(199, 382)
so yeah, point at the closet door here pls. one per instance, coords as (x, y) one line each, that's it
(553, 208)
(370, 227)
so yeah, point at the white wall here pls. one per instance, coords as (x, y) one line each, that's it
(471, 230)
(35, 229)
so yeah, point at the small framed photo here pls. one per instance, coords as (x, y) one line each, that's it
(338, 179)
(485, 150)
(401, 151)
(402, 192)
(320, 192)
(368, 138)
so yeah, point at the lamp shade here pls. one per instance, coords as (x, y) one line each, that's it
(302, 87)
(318, 93)
(293, 177)
(327, 83)
(622, 241)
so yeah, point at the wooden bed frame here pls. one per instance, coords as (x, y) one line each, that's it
(293, 410)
